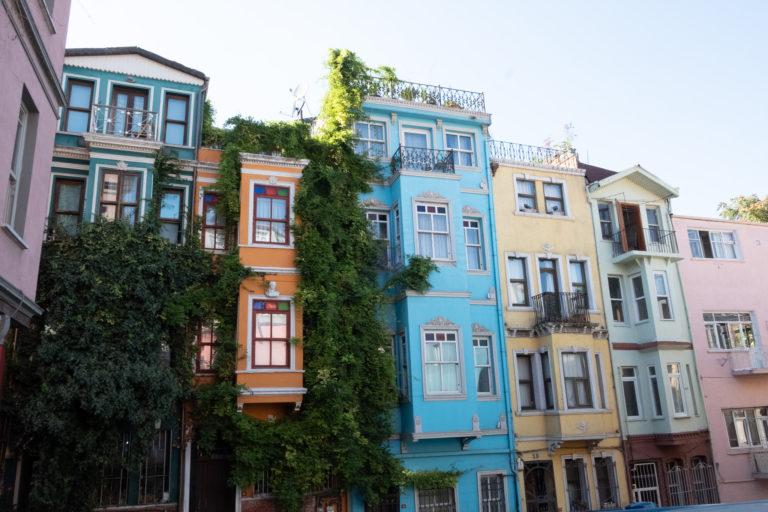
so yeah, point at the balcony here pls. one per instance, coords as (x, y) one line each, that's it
(537, 156)
(422, 160)
(427, 94)
(565, 308)
(747, 362)
(759, 462)
(123, 122)
(632, 242)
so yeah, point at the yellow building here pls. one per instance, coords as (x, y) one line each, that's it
(565, 420)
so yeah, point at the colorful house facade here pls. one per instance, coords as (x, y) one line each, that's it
(122, 106)
(433, 199)
(663, 419)
(565, 414)
(725, 284)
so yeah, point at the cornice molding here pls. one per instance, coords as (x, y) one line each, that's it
(274, 160)
(99, 141)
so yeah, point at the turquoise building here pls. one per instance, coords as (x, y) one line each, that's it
(122, 106)
(433, 199)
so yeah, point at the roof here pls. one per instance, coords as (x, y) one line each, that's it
(134, 50)
(594, 173)
(642, 178)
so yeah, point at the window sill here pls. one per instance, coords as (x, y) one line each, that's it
(444, 263)
(472, 168)
(445, 397)
(267, 246)
(718, 259)
(269, 370)
(488, 398)
(180, 146)
(479, 272)
(543, 215)
(15, 236)
(681, 416)
(727, 350)
(556, 412)
(520, 308)
(641, 322)
(621, 324)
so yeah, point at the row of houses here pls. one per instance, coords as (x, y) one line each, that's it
(580, 348)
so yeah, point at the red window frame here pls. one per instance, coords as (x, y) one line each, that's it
(210, 202)
(206, 346)
(274, 222)
(275, 345)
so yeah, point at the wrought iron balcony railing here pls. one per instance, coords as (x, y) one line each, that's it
(123, 122)
(422, 159)
(427, 94)
(533, 155)
(562, 307)
(653, 240)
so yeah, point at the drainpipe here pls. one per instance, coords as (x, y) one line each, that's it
(503, 338)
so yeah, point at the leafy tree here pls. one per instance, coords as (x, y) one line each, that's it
(750, 208)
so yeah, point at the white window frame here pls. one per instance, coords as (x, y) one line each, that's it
(385, 127)
(614, 477)
(561, 186)
(252, 207)
(636, 300)
(609, 222)
(661, 296)
(585, 479)
(528, 280)
(587, 353)
(16, 172)
(731, 324)
(587, 267)
(485, 473)
(538, 191)
(482, 333)
(537, 381)
(480, 246)
(636, 390)
(680, 375)
(292, 347)
(441, 202)
(653, 383)
(697, 240)
(443, 326)
(621, 299)
(412, 128)
(762, 435)
(459, 151)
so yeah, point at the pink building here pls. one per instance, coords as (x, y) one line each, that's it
(725, 282)
(31, 58)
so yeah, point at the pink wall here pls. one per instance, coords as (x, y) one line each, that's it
(728, 285)
(21, 69)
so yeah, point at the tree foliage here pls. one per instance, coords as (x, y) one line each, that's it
(749, 208)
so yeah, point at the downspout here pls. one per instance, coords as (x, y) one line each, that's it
(503, 337)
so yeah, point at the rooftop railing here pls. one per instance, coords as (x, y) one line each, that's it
(427, 94)
(542, 156)
(123, 122)
(422, 159)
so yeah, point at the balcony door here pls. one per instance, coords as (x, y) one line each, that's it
(550, 289)
(129, 114)
(631, 226)
(416, 152)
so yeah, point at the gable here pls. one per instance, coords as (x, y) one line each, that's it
(132, 64)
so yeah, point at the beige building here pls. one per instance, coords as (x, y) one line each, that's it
(565, 420)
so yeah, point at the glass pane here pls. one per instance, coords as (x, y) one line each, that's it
(361, 130)
(377, 132)
(170, 206)
(661, 285)
(77, 122)
(67, 222)
(376, 149)
(551, 190)
(262, 329)
(473, 236)
(261, 231)
(518, 293)
(630, 398)
(481, 355)
(466, 159)
(108, 211)
(263, 207)
(642, 310)
(516, 269)
(109, 188)
(278, 209)
(433, 377)
(449, 352)
(473, 258)
(614, 286)
(219, 239)
(425, 245)
(210, 214)
(261, 353)
(450, 377)
(209, 239)
(441, 223)
(170, 232)
(441, 246)
(432, 352)
(174, 134)
(452, 141)
(425, 221)
(177, 109)
(416, 140)
(483, 380)
(80, 96)
(69, 197)
(279, 353)
(130, 189)
(637, 286)
(526, 187)
(278, 233)
(128, 213)
(279, 325)
(577, 272)
(466, 143)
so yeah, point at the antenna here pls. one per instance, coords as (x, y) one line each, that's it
(299, 100)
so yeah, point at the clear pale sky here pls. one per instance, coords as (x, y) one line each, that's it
(679, 87)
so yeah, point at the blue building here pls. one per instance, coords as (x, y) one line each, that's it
(122, 106)
(433, 199)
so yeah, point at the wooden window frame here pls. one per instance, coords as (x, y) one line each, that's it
(130, 111)
(69, 108)
(118, 203)
(520, 195)
(214, 200)
(559, 200)
(178, 220)
(285, 222)
(202, 343)
(524, 281)
(57, 211)
(166, 121)
(272, 338)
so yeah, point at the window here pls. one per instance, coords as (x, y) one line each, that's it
(380, 230)
(441, 362)
(606, 484)
(526, 195)
(79, 100)
(617, 300)
(606, 223)
(645, 482)
(578, 275)
(539, 483)
(120, 196)
(433, 231)
(270, 217)
(129, 114)
(517, 274)
(437, 500)
(712, 244)
(676, 389)
(461, 145)
(576, 484)
(176, 111)
(397, 251)
(214, 228)
(729, 330)
(534, 381)
(662, 295)
(690, 386)
(600, 388)
(653, 381)
(473, 239)
(170, 215)
(67, 205)
(13, 216)
(548, 276)
(403, 378)
(492, 493)
(553, 198)
(484, 377)
(578, 390)
(206, 347)
(641, 308)
(389, 502)
(747, 427)
(369, 139)
(271, 334)
(631, 391)
(654, 227)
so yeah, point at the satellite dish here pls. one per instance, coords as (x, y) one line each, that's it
(299, 102)
(300, 90)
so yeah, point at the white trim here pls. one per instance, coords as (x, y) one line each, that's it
(392, 102)
(187, 476)
(622, 291)
(586, 260)
(590, 374)
(584, 475)
(441, 324)
(635, 299)
(494, 363)
(124, 158)
(291, 186)
(272, 270)
(470, 214)
(492, 472)
(387, 135)
(436, 200)
(683, 386)
(14, 236)
(558, 269)
(541, 208)
(537, 381)
(636, 386)
(423, 128)
(528, 277)
(474, 151)
(614, 478)
(96, 195)
(249, 333)
(192, 101)
(663, 274)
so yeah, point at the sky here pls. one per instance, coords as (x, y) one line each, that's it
(679, 87)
